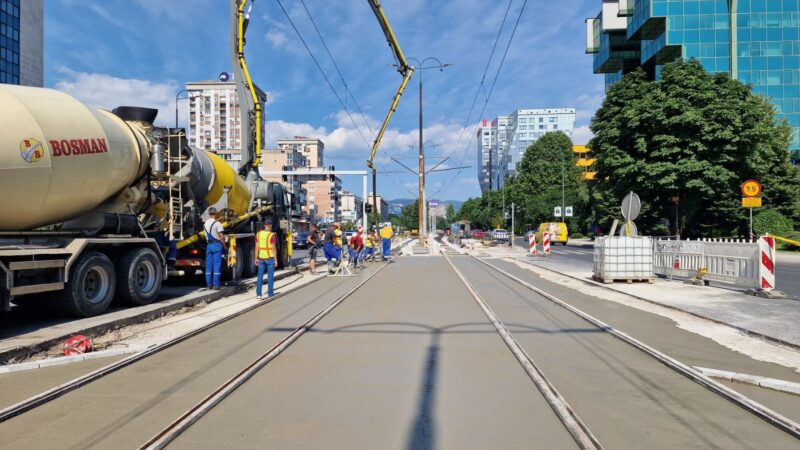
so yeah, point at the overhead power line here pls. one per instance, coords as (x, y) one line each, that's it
(330, 85)
(491, 90)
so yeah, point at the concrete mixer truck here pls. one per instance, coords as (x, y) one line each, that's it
(92, 202)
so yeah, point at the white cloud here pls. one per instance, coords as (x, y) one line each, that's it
(277, 38)
(107, 92)
(582, 135)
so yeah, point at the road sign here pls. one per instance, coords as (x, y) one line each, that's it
(433, 203)
(557, 211)
(751, 188)
(751, 202)
(631, 206)
(568, 211)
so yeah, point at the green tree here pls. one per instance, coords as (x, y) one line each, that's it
(450, 213)
(692, 136)
(410, 216)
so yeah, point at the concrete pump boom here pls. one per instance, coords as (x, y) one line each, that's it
(402, 66)
(250, 96)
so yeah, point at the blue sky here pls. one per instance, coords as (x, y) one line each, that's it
(141, 52)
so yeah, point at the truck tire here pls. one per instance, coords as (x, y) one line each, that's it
(250, 270)
(139, 276)
(283, 252)
(235, 272)
(91, 285)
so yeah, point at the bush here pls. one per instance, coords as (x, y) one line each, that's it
(772, 222)
(576, 236)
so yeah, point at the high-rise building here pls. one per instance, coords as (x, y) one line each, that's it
(279, 160)
(22, 42)
(312, 149)
(214, 122)
(755, 41)
(324, 199)
(383, 207)
(503, 141)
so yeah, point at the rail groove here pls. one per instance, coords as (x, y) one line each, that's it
(772, 417)
(572, 422)
(177, 427)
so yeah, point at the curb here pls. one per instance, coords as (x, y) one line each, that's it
(8, 356)
(746, 331)
(11, 368)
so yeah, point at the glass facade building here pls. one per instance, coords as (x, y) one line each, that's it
(9, 41)
(755, 41)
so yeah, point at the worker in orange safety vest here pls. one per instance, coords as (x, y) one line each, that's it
(266, 259)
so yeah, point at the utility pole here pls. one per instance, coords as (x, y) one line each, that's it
(422, 208)
(512, 224)
(563, 201)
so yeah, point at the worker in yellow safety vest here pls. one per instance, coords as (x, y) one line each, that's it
(386, 236)
(266, 258)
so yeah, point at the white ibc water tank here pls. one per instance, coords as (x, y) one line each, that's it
(59, 158)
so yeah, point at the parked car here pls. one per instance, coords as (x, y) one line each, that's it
(560, 233)
(476, 234)
(501, 235)
(300, 240)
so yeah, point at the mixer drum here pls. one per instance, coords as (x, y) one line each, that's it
(59, 158)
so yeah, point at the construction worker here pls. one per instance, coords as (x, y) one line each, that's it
(313, 248)
(329, 248)
(369, 245)
(386, 235)
(214, 248)
(266, 258)
(357, 248)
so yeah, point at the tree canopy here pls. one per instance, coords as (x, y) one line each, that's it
(690, 137)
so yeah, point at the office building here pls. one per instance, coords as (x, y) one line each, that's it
(503, 141)
(352, 207)
(22, 42)
(312, 149)
(324, 199)
(214, 122)
(755, 41)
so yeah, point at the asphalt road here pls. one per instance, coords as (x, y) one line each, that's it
(787, 269)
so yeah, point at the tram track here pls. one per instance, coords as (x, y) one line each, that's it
(51, 394)
(182, 423)
(762, 412)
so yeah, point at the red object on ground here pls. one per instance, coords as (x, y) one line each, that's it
(77, 345)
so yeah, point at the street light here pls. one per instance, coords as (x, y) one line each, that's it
(178, 97)
(422, 205)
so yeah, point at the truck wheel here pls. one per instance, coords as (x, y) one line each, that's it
(139, 276)
(283, 252)
(91, 285)
(249, 270)
(235, 272)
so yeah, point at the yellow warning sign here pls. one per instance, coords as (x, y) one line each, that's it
(751, 202)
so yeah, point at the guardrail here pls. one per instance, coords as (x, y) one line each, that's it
(736, 262)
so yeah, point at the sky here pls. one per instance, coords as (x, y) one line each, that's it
(142, 52)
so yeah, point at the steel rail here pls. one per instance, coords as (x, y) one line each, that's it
(58, 391)
(768, 415)
(574, 425)
(185, 421)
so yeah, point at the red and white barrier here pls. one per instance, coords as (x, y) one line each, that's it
(532, 245)
(766, 270)
(546, 244)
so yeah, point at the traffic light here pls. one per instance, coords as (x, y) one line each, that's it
(368, 208)
(285, 177)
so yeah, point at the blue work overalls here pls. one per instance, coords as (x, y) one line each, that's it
(213, 260)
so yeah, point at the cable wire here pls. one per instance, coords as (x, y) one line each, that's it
(491, 90)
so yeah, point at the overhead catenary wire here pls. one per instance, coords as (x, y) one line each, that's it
(332, 88)
(488, 97)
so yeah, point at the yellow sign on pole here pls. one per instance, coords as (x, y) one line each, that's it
(751, 188)
(751, 202)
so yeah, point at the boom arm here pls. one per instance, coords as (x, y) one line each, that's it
(250, 96)
(402, 66)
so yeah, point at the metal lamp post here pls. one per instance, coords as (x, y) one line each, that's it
(422, 202)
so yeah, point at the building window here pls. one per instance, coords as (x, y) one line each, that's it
(541, 119)
(553, 119)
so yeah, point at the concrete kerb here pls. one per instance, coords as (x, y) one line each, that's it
(788, 387)
(746, 331)
(9, 356)
(70, 359)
